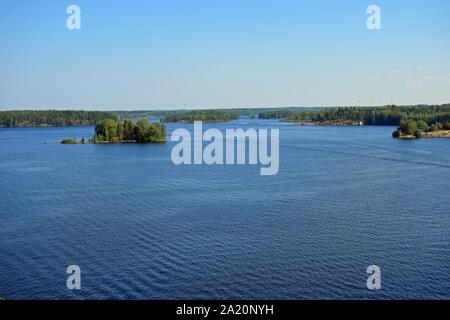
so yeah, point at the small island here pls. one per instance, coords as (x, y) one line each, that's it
(410, 129)
(113, 131)
(206, 116)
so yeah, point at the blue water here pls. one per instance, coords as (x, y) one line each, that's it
(140, 227)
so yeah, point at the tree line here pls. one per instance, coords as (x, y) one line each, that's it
(276, 114)
(203, 115)
(166, 113)
(137, 114)
(390, 115)
(56, 118)
(111, 130)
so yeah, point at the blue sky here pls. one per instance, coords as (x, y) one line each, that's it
(204, 54)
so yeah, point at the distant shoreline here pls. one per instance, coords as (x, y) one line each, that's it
(203, 121)
(47, 126)
(319, 123)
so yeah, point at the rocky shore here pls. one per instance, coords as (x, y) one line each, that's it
(430, 134)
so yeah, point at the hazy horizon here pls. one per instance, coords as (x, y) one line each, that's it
(205, 108)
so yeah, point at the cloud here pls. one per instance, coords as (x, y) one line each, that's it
(420, 68)
(438, 78)
(409, 73)
(395, 71)
(374, 79)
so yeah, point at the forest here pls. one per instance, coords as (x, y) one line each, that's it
(239, 111)
(390, 115)
(137, 114)
(276, 114)
(204, 116)
(52, 118)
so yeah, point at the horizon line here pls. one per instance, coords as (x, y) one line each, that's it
(216, 108)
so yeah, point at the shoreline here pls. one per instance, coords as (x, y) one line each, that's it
(428, 135)
(203, 121)
(323, 124)
(112, 142)
(47, 126)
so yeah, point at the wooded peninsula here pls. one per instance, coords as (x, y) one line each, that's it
(52, 118)
(381, 116)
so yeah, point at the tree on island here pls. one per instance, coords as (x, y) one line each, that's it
(110, 130)
(128, 130)
(422, 125)
(436, 127)
(408, 127)
(417, 128)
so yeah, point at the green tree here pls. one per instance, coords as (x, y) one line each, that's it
(434, 127)
(422, 125)
(128, 133)
(396, 134)
(142, 130)
(408, 127)
(164, 129)
(417, 133)
(120, 130)
(107, 129)
(155, 132)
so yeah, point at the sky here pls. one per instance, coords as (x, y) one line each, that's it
(195, 54)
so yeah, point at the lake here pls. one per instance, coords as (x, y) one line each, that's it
(140, 227)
